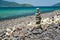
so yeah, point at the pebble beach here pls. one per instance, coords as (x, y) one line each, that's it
(29, 33)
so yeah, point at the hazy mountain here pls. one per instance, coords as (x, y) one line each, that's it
(57, 4)
(12, 4)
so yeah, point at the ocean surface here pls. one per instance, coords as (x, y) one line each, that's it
(13, 12)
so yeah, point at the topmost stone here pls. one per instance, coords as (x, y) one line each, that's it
(37, 10)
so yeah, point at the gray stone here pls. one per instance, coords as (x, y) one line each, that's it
(30, 29)
(35, 36)
(15, 34)
(38, 35)
(35, 32)
(53, 25)
(27, 38)
(57, 30)
(31, 36)
(28, 33)
(57, 38)
(14, 38)
(39, 30)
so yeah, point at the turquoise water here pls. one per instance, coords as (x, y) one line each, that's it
(12, 12)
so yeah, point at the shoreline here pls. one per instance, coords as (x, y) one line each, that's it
(18, 16)
(25, 19)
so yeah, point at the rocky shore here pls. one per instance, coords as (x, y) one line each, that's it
(24, 32)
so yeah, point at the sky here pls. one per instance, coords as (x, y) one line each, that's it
(36, 2)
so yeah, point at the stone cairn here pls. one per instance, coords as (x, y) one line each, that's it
(37, 16)
(37, 19)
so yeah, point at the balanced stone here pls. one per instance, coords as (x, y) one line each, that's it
(37, 16)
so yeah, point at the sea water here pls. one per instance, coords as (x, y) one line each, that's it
(13, 12)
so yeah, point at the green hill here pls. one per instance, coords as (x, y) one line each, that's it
(57, 4)
(12, 4)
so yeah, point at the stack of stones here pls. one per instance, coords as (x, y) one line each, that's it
(37, 16)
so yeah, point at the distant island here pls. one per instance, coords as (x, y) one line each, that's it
(12, 4)
(57, 4)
